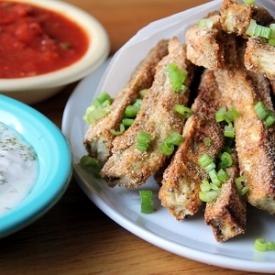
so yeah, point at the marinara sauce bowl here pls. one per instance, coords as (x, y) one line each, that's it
(33, 88)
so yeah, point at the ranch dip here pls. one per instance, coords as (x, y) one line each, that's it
(18, 168)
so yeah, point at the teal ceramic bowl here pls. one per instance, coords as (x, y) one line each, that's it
(54, 161)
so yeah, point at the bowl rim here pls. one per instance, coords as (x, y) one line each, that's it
(54, 158)
(95, 55)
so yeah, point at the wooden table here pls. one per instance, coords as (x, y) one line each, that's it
(75, 237)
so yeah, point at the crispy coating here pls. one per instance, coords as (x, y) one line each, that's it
(203, 44)
(254, 140)
(98, 138)
(236, 16)
(181, 180)
(260, 57)
(130, 167)
(227, 214)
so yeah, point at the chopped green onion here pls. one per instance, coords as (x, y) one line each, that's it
(249, 2)
(262, 245)
(251, 28)
(143, 92)
(229, 131)
(99, 108)
(209, 196)
(127, 122)
(205, 186)
(207, 141)
(89, 162)
(132, 110)
(120, 132)
(220, 114)
(174, 139)
(214, 177)
(241, 189)
(206, 23)
(226, 160)
(222, 176)
(143, 141)
(206, 162)
(100, 99)
(262, 31)
(270, 120)
(146, 197)
(177, 77)
(264, 113)
(93, 114)
(167, 149)
(183, 110)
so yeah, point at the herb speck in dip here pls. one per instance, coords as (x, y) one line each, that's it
(18, 168)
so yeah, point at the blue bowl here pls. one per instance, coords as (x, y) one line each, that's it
(54, 160)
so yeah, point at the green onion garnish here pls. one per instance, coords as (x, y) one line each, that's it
(229, 131)
(206, 23)
(222, 176)
(168, 145)
(132, 110)
(99, 108)
(177, 77)
(206, 162)
(120, 132)
(226, 160)
(264, 113)
(143, 92)
(249, 2)
(262, 245)
(214, 177)
(241, 189)
(207, 141)
(143, 141)
(262, 31)
(127, 122)
(209, 196)
(183, 110)
(89, 162)
(146, 197)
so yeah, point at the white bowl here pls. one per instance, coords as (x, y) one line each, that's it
(33, 89)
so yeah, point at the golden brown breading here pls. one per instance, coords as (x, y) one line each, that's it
(236, 16)
(203, 44)
(227, 214)
(254, 140)
(98, 139)
(260, 57)
(181, 180)
(130, 167)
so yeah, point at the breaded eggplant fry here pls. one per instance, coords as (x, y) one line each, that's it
(203, 44)
(255, 142)
(227, 214)
(130, 167)
(181, 180)
(98, 139)
(236, 16)
(260, 57)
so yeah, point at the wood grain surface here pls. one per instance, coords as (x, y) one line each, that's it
(75, 237)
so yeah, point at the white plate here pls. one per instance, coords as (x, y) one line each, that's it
(190, 238)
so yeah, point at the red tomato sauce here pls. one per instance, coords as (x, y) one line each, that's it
(35, 41)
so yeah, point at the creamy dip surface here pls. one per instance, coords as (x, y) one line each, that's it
(18, 168)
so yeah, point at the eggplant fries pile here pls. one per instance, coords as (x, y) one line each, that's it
(211, 144)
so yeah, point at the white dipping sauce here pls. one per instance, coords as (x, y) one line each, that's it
(18, 168)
